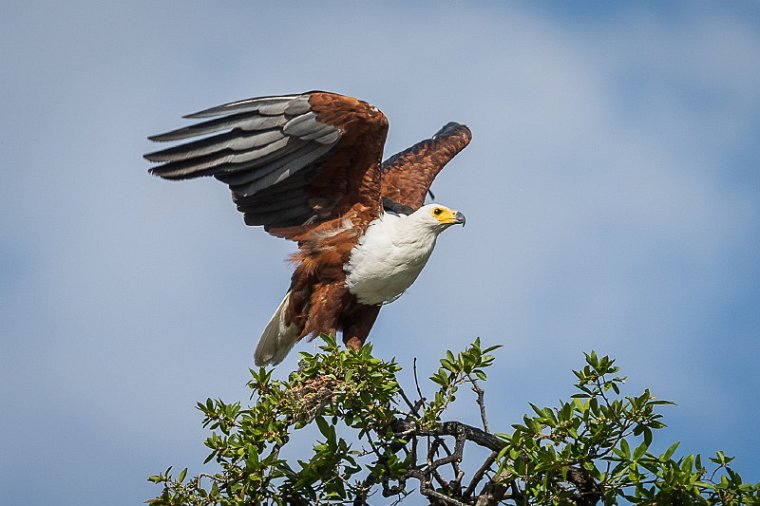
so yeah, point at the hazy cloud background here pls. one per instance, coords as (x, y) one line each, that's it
(612, 191)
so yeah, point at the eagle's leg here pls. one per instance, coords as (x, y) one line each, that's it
(359, 325)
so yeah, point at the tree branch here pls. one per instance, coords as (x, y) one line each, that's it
(453, 429)
(478, 476)
(481, 403)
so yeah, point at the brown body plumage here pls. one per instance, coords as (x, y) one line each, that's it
(308, 168)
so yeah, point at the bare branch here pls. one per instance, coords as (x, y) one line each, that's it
(413, 408)
(478, 476)
(477, 436)
(416, 379)
(481, 402)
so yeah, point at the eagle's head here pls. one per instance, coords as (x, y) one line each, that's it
(439, 217)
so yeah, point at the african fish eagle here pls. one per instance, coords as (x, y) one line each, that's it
(308, 168)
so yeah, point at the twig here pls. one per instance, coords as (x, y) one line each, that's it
(480, 473)
(481, 402)
(416, 379)
(432, 466)
(414, 409)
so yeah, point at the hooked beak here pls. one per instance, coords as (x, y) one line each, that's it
(459, 218)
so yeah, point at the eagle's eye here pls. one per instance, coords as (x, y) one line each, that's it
(437, 211)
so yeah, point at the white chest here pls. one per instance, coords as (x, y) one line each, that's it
(388, 259)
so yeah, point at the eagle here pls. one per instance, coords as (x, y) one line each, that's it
(308, 167)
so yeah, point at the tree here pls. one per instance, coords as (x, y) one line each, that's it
(592, 449)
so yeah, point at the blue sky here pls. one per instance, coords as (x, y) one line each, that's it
(612, 192)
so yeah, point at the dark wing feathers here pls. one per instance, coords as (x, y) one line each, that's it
(275, 207)
(289, 160)
(407, 176)
(277, 218)
(278, 171)
(284, 202)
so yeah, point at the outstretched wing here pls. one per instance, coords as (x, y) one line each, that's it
(292, 162)
(407, 176)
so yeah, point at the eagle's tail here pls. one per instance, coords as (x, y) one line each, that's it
(278, 337)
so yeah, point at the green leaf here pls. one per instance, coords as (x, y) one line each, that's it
(324, 428)
(625, 449)
(669, 452)
(640, 451)
(647, 435)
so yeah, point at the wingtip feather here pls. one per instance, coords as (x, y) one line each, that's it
(452, 128)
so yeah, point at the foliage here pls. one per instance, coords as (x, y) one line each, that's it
(592, 449)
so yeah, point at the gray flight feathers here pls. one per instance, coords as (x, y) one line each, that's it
(249, 121)
(289, 104)
(278, 337)
(235, 141)
(255, 146)
(277, 171)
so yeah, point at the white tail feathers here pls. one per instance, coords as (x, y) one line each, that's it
(277, 339)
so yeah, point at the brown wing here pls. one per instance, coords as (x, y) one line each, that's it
(407, 176)
(292, 162)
